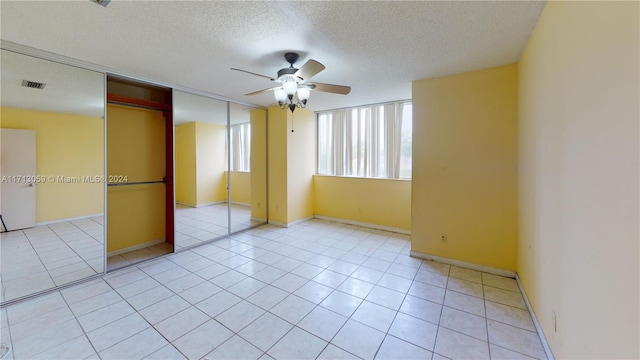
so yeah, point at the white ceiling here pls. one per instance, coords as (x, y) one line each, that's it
(377, 48)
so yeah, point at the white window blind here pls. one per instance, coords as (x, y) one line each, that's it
(371, 141)
(240, 147)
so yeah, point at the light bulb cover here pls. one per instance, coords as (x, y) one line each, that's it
(303, 93)
(280, 95)
(290, 87)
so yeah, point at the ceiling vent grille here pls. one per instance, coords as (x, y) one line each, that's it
(33, 84)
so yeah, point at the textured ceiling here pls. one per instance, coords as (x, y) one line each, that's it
(377, 48)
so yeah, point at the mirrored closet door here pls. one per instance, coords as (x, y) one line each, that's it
(247, 166)
(53, 171)
(200, 132)
(220, 168)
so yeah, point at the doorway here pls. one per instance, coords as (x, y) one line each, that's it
(139, 172)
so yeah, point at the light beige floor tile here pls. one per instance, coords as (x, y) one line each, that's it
(465, 287)
(395, 349)
(500, 353)
(427, 292)
(422, 309)
(239, 315)
(322, 323)
(468, 303)
(414, 330)
(313, 291)
(105, 315)
(509, 315)
(202, 340)
(119, 330)
(341, 303)
(181, 323)
(504, 297)
(235, 348)
(332, 352)
(267, 330)
(500, 282)
(164, 309)
(297, 344)
(455, 345)
(394, 282)
(137, 346)
(356, 287)
(166, 352)
(375, 316)
(267, 297)
(386, 297)
(358, 339)
(516, 339)
(464, 322)
(465, 274)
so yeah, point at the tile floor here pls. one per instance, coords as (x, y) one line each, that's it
(317, 290)
(193, 226)
(46, 256)
(197, 225)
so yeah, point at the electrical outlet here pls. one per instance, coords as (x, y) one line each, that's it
(443, 238)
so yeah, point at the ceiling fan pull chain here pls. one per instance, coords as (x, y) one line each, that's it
(292, 121)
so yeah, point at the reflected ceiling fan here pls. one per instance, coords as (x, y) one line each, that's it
(295, 88)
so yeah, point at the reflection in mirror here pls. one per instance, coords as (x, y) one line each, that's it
(247, 166)
(52, 169)
(200, 169)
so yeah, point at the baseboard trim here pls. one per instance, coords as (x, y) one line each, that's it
(364, 224)
(543, 339)
(135, 247)
(464, 264)
(43, 223)
(289, 224)
(241, 203)
(201, 205)
(258, 219)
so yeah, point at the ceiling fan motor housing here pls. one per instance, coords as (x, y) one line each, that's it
(286, 72)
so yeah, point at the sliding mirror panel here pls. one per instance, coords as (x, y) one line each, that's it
(53, 172)
(200, 132)
(247, 166)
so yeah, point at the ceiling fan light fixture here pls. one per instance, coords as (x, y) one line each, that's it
(280, 95)
(290, 86)
(303, 94)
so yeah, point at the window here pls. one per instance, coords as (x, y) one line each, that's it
(240, 147)
(371, 141)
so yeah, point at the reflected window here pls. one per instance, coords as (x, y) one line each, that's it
(241, 147)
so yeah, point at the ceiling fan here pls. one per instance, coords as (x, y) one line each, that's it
(294, 88)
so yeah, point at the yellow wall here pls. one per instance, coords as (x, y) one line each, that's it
(66, 145)
(185, 166)
(464, 167)
(210, 163)
(240, 187)
(201, 176)
(383, 202)
(578, 103)
(258, 164)
(301, 164)
(277, 144)
(135, 148)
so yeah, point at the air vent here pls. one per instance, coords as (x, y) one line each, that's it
(101, 2)
(33, 84)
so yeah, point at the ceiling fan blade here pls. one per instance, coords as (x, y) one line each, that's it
(331, 88)
(309, 70)
(256, 74)
(261, 91)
